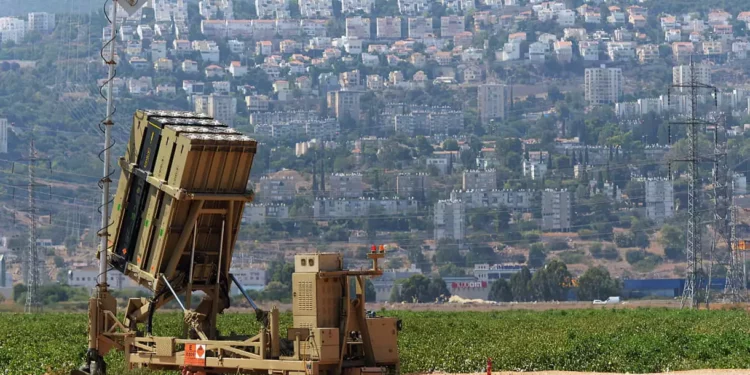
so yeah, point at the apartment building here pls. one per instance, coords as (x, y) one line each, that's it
(602, 85)
(413, 7)
(259, 213)
(388, 27)
(354, 6)
(480, 180)
(272, 9)
(345, 185)
(344, 103)
(515, 200)
(451, 26)
(682, 75)
(420, 27)
(276, 189)
(42, 22)
(12, 29)
(326, 208)
(316, 8)
(414, 185)
(449, 220)
(491, 100)
(223, 108)
(358, 27)
(556, 210)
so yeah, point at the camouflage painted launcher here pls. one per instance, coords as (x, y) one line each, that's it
(181, 171)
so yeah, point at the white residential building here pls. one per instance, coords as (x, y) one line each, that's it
(491, 100)
(358, 27)
(208, 50)
(259, 213)
(354, 6)
(681, 75)
(345, 185)
(316, 8)
(361, 207)
(388, 27)
(449, 220)
(42, 22)
(659, 199)
(420, 27)
(515, 200)
(556, 210)
(534, 169)
(12, 29)
(480, 180)
(538, 52)
(413, 7)
(222, 108)
(272, 8)
(602, 85)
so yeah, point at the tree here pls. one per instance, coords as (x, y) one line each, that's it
(520, 285)
(673, 240)
(450, 270)
(447, 252)
(537, 255)
(419, 288)
(596, 283)
(549, 283)
(500, 291)
(450, 145)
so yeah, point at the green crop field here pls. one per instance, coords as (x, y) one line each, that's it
(638, 340)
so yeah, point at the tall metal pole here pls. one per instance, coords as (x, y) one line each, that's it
(693, 226)
(33, 304)
(105, 180)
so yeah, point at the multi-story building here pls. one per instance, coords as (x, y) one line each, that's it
(515, 200)
(276, 189)
(354, 6)
(216, 9)
(345, 185)
(358, 27)
(420, 27)
(647, 53)
(659, 199)
(259, 213)
(326, 208)
(449, 220)
(222, 108)
(534, 169)
(249, 277)
(42, 22)
(310, 129)
(87, 278)
(344, 102)
(589, 50)
(316, 8)
(491, 100)
(602, 85)
(412, 185)
(681, 75)
(450, 26)
(12, 29)
(480, 180)
(208, 49)
(563, 51)
(556, 210)
(388, 27)
(4, 135)
(272, 8)
(489, 273)
(413, 7)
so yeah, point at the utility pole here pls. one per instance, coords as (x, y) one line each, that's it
(33, 303)
(31, 258)
(693, 250)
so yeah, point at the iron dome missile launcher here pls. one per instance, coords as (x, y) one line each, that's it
(175, 219)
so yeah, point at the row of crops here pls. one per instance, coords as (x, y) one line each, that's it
(639, 340)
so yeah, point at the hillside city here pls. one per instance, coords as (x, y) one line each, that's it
(487, 145)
